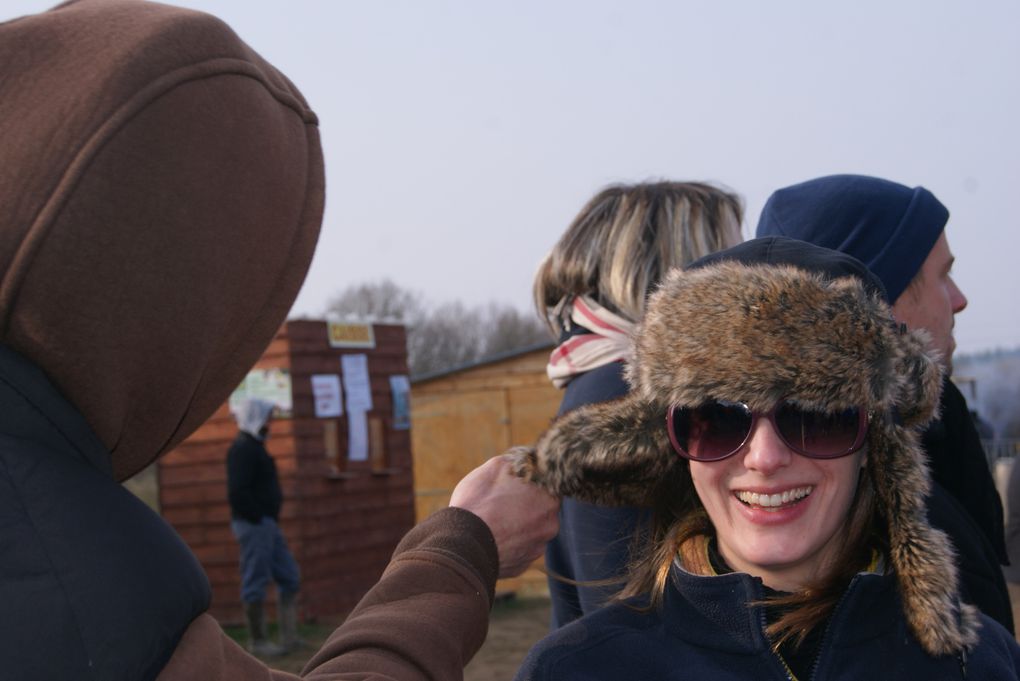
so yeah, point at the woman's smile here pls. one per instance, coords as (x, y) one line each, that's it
(773, 500)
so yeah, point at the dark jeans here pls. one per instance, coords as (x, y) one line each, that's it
(264, 557)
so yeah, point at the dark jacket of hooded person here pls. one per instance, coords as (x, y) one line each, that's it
(161, 191)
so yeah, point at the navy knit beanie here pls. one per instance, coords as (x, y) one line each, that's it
(889, 227)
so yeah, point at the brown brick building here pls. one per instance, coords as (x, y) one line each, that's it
(344, 510)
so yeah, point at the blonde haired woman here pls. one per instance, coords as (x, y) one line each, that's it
(591, 289)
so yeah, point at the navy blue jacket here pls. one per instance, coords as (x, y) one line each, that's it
(705, 630)
(594, 541)
(982, 582)
(253, 486)
(958, 463)
(93, 584)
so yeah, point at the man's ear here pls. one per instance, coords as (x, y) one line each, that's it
(610, 453)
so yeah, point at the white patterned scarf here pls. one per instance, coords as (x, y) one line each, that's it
(607, 340)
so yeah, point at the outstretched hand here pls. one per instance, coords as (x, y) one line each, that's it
(521, 516)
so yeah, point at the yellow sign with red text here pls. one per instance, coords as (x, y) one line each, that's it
(348, 335)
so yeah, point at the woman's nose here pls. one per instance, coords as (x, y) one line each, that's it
(765, 452)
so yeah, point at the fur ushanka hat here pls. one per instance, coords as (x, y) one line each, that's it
(768, 319)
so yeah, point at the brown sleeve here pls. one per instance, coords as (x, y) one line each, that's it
(428, 614)
(206, 652)
(425, 618)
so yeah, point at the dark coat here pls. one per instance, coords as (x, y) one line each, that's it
(965, 505)
(93, 584)
(1012, 572)
(981, 579)
(959, 465)
(705, 630)
(594, 541)
(252, 483)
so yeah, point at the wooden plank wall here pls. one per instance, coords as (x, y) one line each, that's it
(352, 514)
(193, 492)
(463, 418)
(341, 519)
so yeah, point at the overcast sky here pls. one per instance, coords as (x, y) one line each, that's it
(462, 137)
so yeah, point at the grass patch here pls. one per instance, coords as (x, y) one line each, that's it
(311, 631)
(509, 605)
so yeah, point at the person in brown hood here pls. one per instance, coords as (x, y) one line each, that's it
(161, 192)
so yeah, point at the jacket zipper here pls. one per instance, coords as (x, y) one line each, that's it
(828, 627)
(786, 668)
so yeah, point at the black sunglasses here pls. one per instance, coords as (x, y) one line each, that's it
(716, 430)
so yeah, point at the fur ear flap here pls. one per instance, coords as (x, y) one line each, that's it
(611, 453)
(920, 380)
(921, 556)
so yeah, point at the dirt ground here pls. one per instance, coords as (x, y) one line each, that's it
(514, 626)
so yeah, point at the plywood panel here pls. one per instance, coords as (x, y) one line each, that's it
(451, 435)
(531, 411)
(527, 369)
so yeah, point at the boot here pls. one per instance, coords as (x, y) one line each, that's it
(258, 644)
(288, 620)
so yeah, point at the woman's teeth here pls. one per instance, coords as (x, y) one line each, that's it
(774, 500)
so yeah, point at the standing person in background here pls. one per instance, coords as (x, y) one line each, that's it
(899, 233)
(255, 500)
(591, 290)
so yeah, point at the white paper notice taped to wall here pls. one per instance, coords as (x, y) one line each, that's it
(328, 397)
(357, 436)
(357, 384)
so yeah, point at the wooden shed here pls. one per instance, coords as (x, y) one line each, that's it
(466, 415)
(346, 478)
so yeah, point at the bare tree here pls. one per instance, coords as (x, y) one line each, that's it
(507, 329)
(442, 336)
(448, 336)
(378, 301)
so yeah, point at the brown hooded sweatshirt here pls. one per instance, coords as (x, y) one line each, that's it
(161, 191)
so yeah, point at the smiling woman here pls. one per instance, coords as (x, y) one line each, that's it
(772, 426)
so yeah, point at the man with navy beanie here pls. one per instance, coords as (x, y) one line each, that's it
(899, 233)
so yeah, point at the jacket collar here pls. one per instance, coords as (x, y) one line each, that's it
(38, 401)
(713, 611)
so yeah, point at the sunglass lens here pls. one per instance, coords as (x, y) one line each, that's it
(711, 431)
(818, 434)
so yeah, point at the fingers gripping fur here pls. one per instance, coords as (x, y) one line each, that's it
(523, 461)
(612, 453)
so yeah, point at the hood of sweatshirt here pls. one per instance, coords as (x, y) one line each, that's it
(161, 192)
